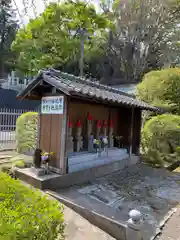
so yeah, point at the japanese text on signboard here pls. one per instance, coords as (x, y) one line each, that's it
(52, 105)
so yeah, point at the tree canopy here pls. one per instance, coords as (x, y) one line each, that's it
(126, 40)
(52, 39)
(161, 88)
(8, 28)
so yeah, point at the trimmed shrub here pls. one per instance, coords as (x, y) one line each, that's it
(26, 132)
(27, 214)
(161, 88)
(160, 139)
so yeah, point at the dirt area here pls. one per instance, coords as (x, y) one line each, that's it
(154, 192)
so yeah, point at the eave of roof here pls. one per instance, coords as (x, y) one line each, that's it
(77, 86)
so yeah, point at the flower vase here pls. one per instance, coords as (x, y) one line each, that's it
(99, 151)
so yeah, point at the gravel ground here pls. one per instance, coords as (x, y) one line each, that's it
(154, 192)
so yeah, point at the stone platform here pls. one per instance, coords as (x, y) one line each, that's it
(84, 160)
(54, 181)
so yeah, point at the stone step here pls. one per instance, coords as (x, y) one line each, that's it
(73, 166)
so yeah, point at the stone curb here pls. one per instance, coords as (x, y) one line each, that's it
(110, 226)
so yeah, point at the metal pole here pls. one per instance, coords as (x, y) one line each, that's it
(81, 61)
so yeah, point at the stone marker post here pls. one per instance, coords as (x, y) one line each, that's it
(89, 133)
(98, 129)
(70, 145)
(134, 226)
(111, 140)
(79, 139)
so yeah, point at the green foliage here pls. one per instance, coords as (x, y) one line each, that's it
(6, 168)
(161, 88)
(27, 214)
(48, 40)
(8, 29)
(160, 139)
(26, 131)
(19, 164)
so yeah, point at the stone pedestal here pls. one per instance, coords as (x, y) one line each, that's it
(89, 136)
(98, 129)
(110, 138)
(134, 226)
(38, 171)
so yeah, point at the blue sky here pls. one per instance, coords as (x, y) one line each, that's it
(31, 11)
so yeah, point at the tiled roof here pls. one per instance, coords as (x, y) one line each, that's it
(8, 100)
(77, 86)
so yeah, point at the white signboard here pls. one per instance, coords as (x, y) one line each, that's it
(52, 105)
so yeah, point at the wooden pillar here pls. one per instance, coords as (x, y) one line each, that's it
(63, 157)
(131, 132)
(137, 131)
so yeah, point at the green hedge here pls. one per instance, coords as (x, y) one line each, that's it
(27, 214)
(161, 88)
(26, 132)
(161, 139)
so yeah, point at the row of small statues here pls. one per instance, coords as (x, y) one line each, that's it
(76, 143)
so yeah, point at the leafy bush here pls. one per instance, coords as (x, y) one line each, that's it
(19, 164)
(160, 139)
(27, 214)
(26, 132)
(161, 88)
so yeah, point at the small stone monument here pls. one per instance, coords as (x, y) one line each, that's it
(36, 169)
(37, 158)
(70, 144)
(105, 129)
(98, 129)
(111, 140)
(79, 140)
(134, 226)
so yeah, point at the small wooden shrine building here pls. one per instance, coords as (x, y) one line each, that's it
(75, 111)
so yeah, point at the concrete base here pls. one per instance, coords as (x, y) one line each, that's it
(80, 161)
(56, 181)
(134, 159)
(38, 171)
(103, 218)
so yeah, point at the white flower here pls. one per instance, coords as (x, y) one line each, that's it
(105, 141)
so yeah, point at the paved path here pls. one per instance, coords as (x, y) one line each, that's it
(78, 228)
(171, 230)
